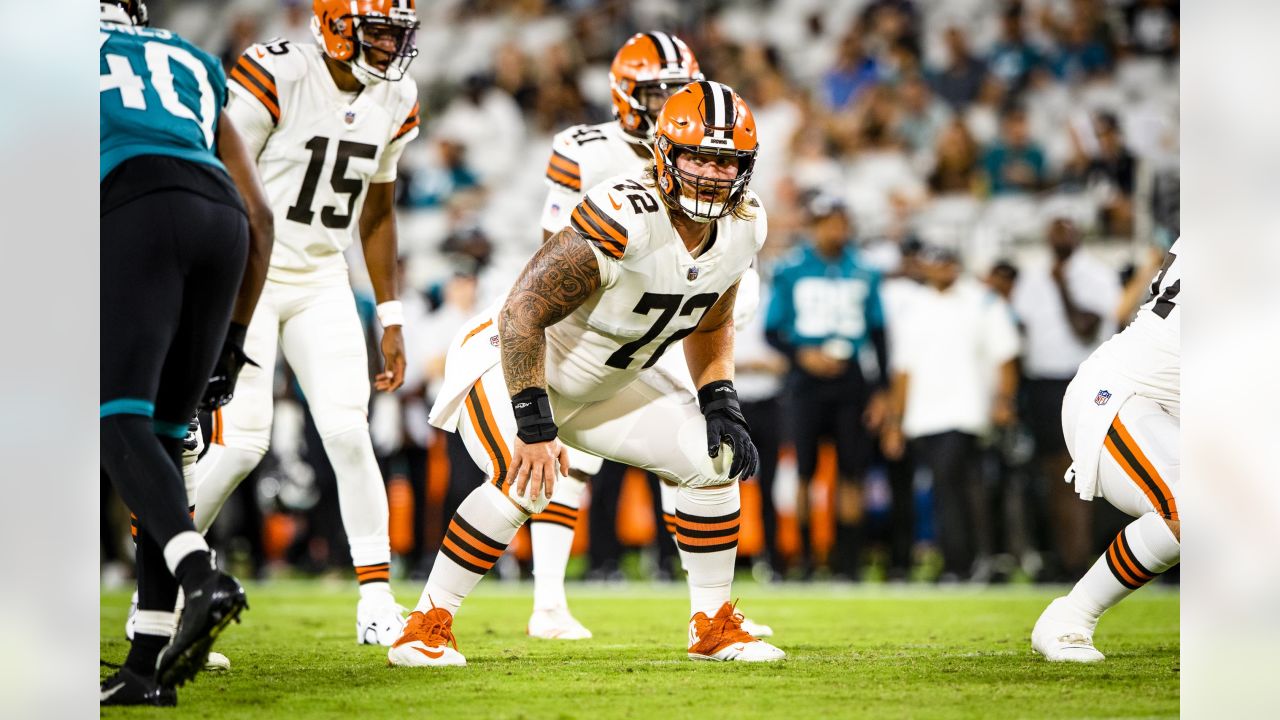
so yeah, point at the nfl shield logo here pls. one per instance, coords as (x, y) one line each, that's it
(350, 117)
(493, 340)
(1102, 397)
(692, 274)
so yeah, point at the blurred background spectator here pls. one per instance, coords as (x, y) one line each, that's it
(971, 124)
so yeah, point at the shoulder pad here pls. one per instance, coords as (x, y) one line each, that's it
(261, 69)
(614, 216)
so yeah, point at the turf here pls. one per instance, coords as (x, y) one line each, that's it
(910, 651)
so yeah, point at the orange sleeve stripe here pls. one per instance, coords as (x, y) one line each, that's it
(565, 165)
(560, 178)
(1161, 488)
(606, 245)
(605, 222)
(408, 125)
(268, 101)
(477, 329)
(552, 512)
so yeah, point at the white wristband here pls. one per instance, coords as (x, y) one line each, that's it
(391, 313)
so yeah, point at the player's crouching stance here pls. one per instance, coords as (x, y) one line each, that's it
(1120, 416)
(571, 357)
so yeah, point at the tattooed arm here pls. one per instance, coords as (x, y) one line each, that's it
(709, 348)
(559, 279)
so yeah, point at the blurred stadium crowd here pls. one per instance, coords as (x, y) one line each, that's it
(1022, 153)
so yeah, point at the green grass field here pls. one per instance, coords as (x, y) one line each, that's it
(878, 651)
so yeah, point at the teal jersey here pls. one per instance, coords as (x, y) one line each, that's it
(158, 95)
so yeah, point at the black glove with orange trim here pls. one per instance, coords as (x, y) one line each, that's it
(727, 425)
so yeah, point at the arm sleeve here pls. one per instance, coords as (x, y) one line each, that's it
(251, 120)
(405, 134)
(391, 159)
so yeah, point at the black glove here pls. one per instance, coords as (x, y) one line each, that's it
(725, 424)
(222, 383)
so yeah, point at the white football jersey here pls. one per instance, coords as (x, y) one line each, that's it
(318, 149)
(1148, 351)
(581, 157)
(652, 293)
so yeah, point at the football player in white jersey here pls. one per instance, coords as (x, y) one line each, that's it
(327, 124)
(645, 71)
(1120, 416)
(571, 356)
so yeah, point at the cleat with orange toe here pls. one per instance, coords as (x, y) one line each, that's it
(722, 638)
(427, 641)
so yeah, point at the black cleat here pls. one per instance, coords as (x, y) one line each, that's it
(208, 612)
(126, 687)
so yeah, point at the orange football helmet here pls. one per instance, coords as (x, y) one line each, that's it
(646, 70)
(377, 37)
(709, 120)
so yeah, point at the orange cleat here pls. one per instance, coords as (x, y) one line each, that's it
(427, 641)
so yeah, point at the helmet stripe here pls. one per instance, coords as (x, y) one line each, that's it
(665, 47)
(730, 113)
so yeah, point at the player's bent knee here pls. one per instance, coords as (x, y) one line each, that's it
(1175, 527)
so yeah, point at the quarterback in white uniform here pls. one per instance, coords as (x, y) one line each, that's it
(1120, 417)
(646, 70)
(572, 356)
(327, 124)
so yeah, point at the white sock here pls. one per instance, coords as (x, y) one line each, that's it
(1143, 550)
(375, 589)
(707, 521)
(218, 474)
(479, 533)
(182, 545)
(552, 534)
(668, 494)
(155, 622)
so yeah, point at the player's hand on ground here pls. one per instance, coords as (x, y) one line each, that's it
(392, 375)
(537, 463)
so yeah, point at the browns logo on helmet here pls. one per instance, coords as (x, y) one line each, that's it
(708, 120)
(377, 37)
(646, 70)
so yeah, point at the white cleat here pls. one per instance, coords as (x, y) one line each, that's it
(755, 629)
(1061, 636)
(379, 620)
(427, 642)
(722, 638)
(556, 624)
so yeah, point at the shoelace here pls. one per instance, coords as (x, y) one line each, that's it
(1075, 639)
(729, 627)
(419, 625)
